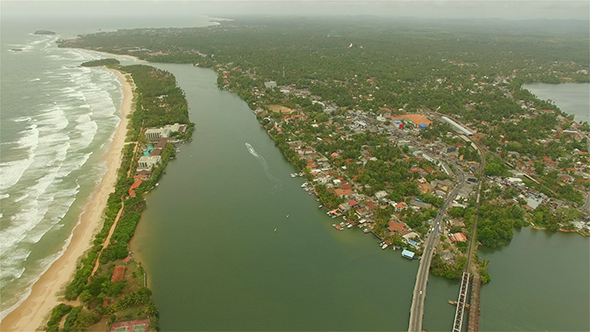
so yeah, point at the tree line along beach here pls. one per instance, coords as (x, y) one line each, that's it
(134, 163)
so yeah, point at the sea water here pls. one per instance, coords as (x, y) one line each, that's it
(57, 120)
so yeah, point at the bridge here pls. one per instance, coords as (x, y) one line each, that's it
(458, 324)
(419, 295)
(417, 309)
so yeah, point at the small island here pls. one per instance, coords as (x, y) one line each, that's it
(44, 32)
(101, 62)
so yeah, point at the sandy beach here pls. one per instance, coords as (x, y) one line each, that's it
(33, 313)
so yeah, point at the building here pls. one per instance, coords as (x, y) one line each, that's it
(134, 186)
(157, 133)
(144, 175)
(408, 254)
(146, 163)
(396, 226)
(458, 237)
(459, 128)
(164, 132)
(270, 84)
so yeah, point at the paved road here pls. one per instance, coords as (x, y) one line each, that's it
(473, 242)
(417, 309)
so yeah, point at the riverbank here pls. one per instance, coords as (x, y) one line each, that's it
(45, 293)
(563, 230)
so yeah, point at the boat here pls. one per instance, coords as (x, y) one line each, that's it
(349, 226)
(384, 246)
(320, 206)
(293, 175)
(338, 227)
(366, 230)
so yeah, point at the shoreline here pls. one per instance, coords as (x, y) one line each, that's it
(31, 314)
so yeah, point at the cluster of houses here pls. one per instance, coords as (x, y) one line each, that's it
(151, 157)
(404, 130)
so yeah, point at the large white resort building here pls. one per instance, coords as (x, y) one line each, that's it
(164, 132)
(145, 163)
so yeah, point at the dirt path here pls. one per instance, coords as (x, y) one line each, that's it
(108, 239)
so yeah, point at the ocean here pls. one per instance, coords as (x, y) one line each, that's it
(57, 119)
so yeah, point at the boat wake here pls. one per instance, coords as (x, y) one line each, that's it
(277, 182)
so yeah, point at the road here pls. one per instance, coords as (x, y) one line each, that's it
(417, 309)
(473, 237)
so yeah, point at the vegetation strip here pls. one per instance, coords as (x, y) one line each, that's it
(158, 102)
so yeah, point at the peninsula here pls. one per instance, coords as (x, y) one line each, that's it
(109, 286)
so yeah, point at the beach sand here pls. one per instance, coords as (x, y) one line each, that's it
(33, 313)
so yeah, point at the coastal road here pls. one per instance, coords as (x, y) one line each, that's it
(417, 309)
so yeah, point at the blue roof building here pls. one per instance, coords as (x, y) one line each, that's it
(408, 254)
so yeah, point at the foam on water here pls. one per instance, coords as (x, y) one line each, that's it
(39, 182)
(44, 264)
(12, 171)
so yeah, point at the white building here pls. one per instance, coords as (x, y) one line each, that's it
(270, 84)
(155, 133)
(164, 132)
(457, 126)
(147, 162)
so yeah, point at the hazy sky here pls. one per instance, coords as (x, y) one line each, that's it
(514, 9)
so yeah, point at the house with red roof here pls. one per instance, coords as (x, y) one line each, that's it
(395, 226)
(134, 186)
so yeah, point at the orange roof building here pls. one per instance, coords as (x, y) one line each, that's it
(118, 273)
(458, 237)
(134, 186)
(396, 226)
(417, 119)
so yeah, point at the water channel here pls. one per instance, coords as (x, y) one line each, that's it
(214, 259)
(215, 262)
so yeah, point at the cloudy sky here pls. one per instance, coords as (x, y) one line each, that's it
(514, 9)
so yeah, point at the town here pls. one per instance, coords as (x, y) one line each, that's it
(344, 153)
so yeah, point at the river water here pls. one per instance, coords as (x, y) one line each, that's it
(572, 98)
(215, 262)
(540, 282)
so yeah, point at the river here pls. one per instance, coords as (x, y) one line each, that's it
(215, 262)
(213, 258)
(540, 281)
